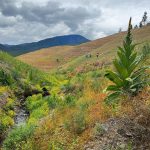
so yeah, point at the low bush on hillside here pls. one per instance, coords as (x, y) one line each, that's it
(17, 136)
(76, 123)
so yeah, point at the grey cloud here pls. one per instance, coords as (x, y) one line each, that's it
(26, 21)
(50, 13)
(9, 7)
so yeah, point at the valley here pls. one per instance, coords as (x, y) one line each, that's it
(57, 98)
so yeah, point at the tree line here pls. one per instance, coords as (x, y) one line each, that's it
(144, 22)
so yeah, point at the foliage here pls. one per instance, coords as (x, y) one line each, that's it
(5, 77)
(99, 129)
(145, 52)
(18, 135)
(70, 100)
(127, 78)
(76, 122)
(6, 110)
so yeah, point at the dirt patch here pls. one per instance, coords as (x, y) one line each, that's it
(120, 134)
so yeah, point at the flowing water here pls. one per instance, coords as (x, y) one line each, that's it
(21, 113)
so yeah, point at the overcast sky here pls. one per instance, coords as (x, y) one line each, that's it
(32, 20)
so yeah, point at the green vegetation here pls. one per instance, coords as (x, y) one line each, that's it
(128, 78)
(16, 80)
(17, 136)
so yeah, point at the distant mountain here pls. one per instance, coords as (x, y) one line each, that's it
(73, 56)
(16, 50)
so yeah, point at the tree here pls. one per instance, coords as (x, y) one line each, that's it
(144, 19)
(135, 27)
(120, 29)
(140, 25)
(127, 78)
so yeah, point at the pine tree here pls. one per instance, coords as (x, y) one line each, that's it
(140, 25)
(135, 27)
(144, 19)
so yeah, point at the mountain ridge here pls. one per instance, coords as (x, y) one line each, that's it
(19, 49)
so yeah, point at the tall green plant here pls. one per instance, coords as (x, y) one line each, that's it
(127, 76)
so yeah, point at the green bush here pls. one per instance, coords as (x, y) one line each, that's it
(34, 101)
(38, 113)
(128, 78)
(53, 101)
(17, 136)
(70, 100)
(6, 77)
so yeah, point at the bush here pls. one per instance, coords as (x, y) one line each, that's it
(17, 136)
(76, 123)
(6, 77)
(34, 101)
(99, 129)
(52, 101)
(68, 88)
(70, 100)
(96, 85)
(55, 145)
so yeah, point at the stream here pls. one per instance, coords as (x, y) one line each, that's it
(21, 113)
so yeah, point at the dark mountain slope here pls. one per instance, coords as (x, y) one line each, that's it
(16, 50)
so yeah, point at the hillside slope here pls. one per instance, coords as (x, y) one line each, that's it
(50, 42)
(67, 108)
(51, 58)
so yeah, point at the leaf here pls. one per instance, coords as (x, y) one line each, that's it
(121, 69)
(133, 57)
(129, 80)
(121, 49)
(133, 66)
(112, 88)
(112, 98)
(114, 78)
(123, 59)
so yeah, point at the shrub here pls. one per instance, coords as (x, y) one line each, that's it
(6, 121)
(34, 101)
(55, 145)
(70, 100)
(18, 135)
(68, 88)
(52, 101)
(127, 78)
(5, 77)
(96, 85)
(76, 123)
(99, 129)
